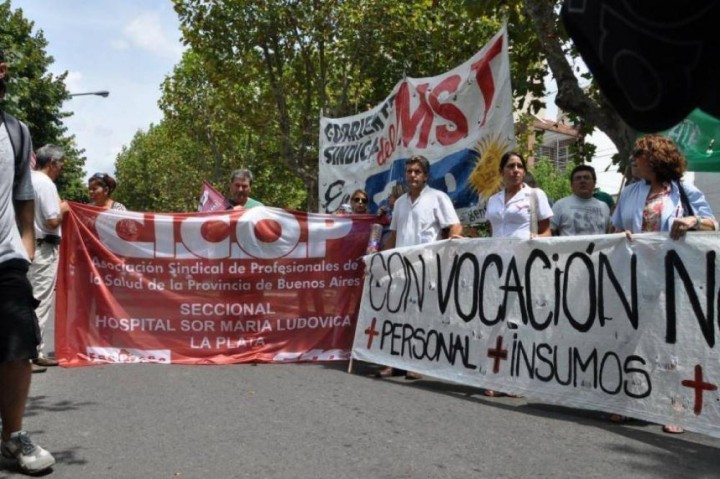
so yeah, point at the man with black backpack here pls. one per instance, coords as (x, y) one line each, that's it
(19, 330)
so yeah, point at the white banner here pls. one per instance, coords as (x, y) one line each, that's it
(442, 118)
(594, 322)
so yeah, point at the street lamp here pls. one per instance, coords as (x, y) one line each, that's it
(103, 93)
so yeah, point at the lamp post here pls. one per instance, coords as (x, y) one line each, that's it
(102, 93)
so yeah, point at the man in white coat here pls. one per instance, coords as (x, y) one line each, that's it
(420, 216)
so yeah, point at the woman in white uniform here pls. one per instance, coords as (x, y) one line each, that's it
(510, 210)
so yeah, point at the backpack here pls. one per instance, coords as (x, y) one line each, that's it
(18, 137)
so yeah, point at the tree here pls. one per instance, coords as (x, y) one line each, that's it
(163, 170)
(553, 182)
(35, 96)
(288, 61)
(538, 23)
(153, 171)
(258, 74)
(232, 120)
(202, 139)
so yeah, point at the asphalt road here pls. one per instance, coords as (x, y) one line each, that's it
(318, 421)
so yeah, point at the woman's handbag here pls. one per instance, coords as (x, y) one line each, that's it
(687, 207)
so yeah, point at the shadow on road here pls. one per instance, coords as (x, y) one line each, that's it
(36, 404)
(693, 454)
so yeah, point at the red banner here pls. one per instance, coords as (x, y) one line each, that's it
(257, 285)
(211, 199)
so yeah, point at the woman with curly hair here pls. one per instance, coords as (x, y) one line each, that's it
(655, 202)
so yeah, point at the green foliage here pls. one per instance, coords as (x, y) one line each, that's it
(525, 132)
(202, 139)
(35, 96)
(538, 41)
(553, 182)
(154, 173)
(258, 75)
(163, 170)
(71, 184)
(271, 67)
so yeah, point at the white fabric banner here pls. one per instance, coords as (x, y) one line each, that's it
(442, 118)
(593, 322)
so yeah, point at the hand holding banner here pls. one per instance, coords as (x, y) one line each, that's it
(592, 322)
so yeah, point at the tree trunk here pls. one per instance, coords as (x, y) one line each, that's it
(311, 183)
(570, 96)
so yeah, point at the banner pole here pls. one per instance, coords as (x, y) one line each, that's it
(350, 365)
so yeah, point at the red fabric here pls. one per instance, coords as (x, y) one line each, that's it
(258, 285)
(384, 219)
(211, 199)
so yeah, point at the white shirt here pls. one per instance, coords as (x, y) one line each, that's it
(47, 204)
(422, 221)
(512, 219)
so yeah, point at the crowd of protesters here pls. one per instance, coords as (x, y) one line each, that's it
(31, 216)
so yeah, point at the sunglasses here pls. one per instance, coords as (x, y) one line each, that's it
(360, 200)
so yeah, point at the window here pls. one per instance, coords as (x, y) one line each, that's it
(560, 156)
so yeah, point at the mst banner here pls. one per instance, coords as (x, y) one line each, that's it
(447, 118)
(262, 284)
(595, 322)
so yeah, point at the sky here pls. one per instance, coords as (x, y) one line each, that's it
(126, 47)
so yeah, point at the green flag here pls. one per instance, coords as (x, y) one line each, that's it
(698, 137)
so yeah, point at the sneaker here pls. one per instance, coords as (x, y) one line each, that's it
(30, 457)
(45, 361)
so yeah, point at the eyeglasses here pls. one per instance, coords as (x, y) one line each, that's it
(360, 200)
(104, 180)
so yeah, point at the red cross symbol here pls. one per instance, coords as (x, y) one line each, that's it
(497, 354)
(371, 333)
(699, 386)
